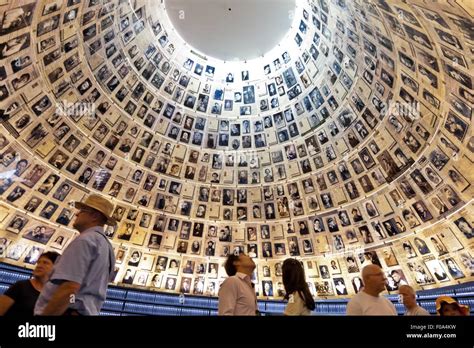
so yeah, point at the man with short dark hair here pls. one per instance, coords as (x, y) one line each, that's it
(78, 284)
(237, 294)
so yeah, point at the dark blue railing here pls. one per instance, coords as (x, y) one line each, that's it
(131, 301)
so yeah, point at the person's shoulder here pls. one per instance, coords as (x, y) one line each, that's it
(299, 299)
(422, 311)
(354, 306)
(87, 240)
(17, 287)
(20, 284)
(297, 296)
(231, 281)
(357, 296)
(386, 299)
(389, 303)
(84, 238)
(360, 298)
(93, 235)
(23, 282)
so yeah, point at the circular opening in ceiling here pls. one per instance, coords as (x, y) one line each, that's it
(231, 29)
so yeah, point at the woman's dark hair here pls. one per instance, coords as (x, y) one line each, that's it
(51, 255)
(229, 266)
(294, 280)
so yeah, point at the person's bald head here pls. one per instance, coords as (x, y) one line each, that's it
(408, 296)
(369, 270)
(374, 279)
(406, 289)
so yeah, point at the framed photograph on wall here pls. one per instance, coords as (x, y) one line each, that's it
(437, 269)
(340, 286)
(453, 269)
(420, 273)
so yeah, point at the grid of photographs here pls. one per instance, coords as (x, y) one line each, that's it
(349, 143)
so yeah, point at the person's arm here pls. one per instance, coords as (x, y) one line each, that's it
(8, 299)
(62, 298)
(227, 297)
(5, 304)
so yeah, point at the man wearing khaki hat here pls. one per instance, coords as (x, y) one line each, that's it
(78, 284)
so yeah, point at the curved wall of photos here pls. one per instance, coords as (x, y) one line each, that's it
(349, 143)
